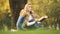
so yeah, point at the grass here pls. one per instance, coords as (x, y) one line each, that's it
(32, 31)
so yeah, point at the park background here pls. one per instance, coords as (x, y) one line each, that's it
(10, 9)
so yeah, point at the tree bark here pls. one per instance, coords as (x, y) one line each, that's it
(16, 6)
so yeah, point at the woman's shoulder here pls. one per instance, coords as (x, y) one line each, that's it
(23, 10)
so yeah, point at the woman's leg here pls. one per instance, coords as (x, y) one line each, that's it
(20, 22)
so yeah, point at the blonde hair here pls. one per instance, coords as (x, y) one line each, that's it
(25, 8)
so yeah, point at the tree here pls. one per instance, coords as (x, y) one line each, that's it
(16, 6)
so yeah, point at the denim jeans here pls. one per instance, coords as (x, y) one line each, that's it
(19, 23)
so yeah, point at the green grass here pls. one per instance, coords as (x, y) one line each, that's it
(36, 31)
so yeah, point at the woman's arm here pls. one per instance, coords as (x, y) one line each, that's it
(22, 13)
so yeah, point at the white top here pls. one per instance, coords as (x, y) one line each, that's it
(30, 17)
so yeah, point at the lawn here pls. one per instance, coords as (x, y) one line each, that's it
(36, 31)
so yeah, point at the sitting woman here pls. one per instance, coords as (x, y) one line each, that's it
(28, 14)
(31, 17)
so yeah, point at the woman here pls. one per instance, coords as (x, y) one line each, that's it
(27, 14)
(32, 17)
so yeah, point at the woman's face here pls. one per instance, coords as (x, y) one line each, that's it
(29, 7)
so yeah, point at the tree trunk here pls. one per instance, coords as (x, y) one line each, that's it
(16, 6)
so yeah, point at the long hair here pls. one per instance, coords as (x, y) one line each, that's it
(26, 6)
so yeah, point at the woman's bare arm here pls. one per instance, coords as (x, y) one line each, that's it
(22, 13)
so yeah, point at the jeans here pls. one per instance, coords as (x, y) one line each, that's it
(20, 21)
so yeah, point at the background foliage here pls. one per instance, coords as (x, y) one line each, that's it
(51, 8)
